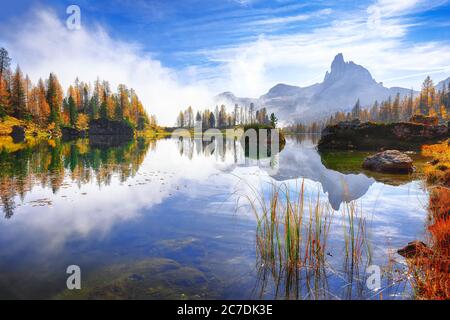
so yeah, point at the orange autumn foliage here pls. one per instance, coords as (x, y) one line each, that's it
(431, 268)
(437, 171)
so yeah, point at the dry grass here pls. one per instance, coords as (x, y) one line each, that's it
(6, 125)
(437, 171)
(431, 269)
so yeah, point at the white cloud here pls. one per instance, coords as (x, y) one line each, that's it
(296, 18)
(392, 8)
(377, 42)
(374, 37)
(42, 44)
(243, 2)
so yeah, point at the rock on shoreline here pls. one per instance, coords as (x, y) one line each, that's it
(18, 134)
(390, 161)
(354, 135)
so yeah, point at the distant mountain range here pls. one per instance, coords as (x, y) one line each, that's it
(341, 88)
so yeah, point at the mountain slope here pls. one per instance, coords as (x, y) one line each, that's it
(443, 84)
(345, 83)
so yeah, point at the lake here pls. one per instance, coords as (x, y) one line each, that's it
(169, 219)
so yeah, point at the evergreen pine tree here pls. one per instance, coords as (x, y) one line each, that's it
(73, 112)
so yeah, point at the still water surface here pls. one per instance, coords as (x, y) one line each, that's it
(161, 219)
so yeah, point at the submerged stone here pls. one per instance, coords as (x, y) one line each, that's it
(151, 278)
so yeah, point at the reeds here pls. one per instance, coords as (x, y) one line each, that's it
(286, 234)
(292, 236)
(355, 234)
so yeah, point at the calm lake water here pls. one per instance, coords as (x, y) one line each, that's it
(161, 219)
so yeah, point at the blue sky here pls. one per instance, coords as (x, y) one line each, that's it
(175, 31)
(201, 47)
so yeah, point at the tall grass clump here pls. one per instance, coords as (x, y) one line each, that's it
(292, 236)
(357, 251)
(289, 232)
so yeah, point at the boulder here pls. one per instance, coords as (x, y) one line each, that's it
(414, 249)
(18, 134)
(390, 161)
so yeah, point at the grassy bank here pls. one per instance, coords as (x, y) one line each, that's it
(31, 129)
(153, 133)
(33, 134)
(437, 171)
(429, 266)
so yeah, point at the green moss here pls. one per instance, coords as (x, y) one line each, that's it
(344, 161)
(350, 162)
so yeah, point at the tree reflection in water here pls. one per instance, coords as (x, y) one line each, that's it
(49, 163)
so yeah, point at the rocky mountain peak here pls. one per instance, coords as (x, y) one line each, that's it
(344, 84)
(338, 62)
(341, 70)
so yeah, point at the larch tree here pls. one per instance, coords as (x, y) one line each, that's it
(4, 98)
(43, 106)
(46, 103)
(54, 98)
(395, 117)
(427, 96)
(5, 62)
(409, 111)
